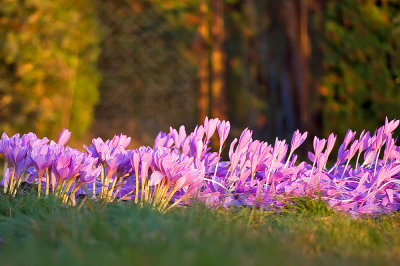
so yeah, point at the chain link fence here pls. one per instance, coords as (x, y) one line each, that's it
(149, 78)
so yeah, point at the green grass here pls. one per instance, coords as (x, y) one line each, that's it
(43, 232)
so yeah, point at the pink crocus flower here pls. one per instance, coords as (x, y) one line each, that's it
(223, 131)
(63, 137)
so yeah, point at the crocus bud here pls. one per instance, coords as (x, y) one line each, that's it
(245, 138)
(210, 125)
(331, 143)
(349, 137)
(223, 131)
(319, 145)
(63, 137)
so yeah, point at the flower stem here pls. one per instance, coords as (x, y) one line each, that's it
(47, 182)
(376, 161)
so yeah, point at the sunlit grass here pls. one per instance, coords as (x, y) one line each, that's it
(42, 231)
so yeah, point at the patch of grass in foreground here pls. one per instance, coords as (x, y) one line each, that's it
(43, 232)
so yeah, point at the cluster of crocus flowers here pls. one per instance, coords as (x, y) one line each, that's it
(364, 178)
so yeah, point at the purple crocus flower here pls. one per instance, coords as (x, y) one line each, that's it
(28, 138)
(146, 159)
(135, 160)
(297, 140)
(244, 139)
(16, 154)
(4, 144)
(350, 135)
(121, 141)
(353, 149)
(63, 137)
(210, 125)
(114, 158)
(178, 138)
(42, 157)
(331, 144)
(88, 171)
(223, 131)
(364, 140)
(390, 143)
(379, 139)
(67, 164)
(197, 147)
(319, 145)
(321, 162)
(99, 149)
(390, 126)
(199, 132)
(163, 140)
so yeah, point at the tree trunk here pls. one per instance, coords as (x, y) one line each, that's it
(202, 50)
(294, 14)
(218, 92)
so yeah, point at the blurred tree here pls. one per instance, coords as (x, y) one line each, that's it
(202, 47)
(48, 55)
(361, 63)
(269, 57)
(219, 106)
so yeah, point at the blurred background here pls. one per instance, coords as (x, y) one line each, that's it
(102, 67)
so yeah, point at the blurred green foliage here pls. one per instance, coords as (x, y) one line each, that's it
(145, 52)
(48, 56)
(361, 63)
